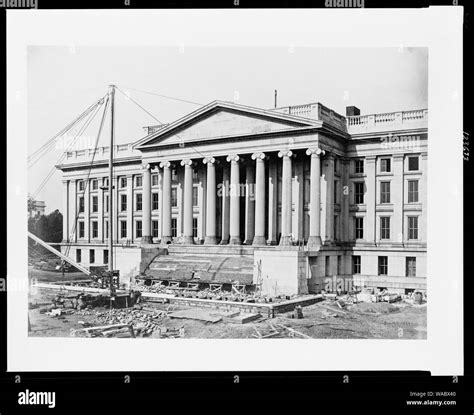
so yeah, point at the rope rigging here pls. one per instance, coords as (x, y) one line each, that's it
(45, 148)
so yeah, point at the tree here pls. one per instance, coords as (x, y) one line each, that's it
(31, 205)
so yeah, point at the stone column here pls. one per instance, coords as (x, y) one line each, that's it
(329, 176)
(314, 239)
(225, 205)
(166, 207)
(87, 219)
(115, 221)
(65, 210)
(396, 198)
(286, 203)
(259, 237)
(272, 202)
(146, 206)
(100, 221)
(188, 237)
(249, 203)
(234, 200)
(211, 196)
(370, 199)
(130, 208)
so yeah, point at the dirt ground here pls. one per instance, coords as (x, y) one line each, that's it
(324, 320)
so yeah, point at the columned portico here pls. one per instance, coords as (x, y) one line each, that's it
(166, 208)
(234, 199)
(211, 211)
(286, 204)
(188, 202)
(314, 239)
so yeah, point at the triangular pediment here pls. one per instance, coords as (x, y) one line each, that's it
(220, 120)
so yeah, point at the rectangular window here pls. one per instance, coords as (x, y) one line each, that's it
(356, 264)
(81, 185)
(138, 181)
(139, 202)
(123, 203)
(195, 227)
(81, 229)
(195, 174)
(174, 227)
(359, 166)
(106, 182)
(138, 230)
(327, 271)
(106, 256)
(411, 266)
(174, 197)
(123, 228)
(336, 191)
(412, 227)
(383, 265)
(81, 204)
(413, 163)
(95, 229)
(385, 227)
(106, 203)
(339, 265)
(154, 225)
(384, 192)
(359, 192)
(174, 174)
(336, 227)
(385, 165)
(91, 256)
(154, 180)
(95, 204)
(78, 255)
(195, 196)
(154, 199)
(123, 182)
(359, 228)
(412, 191)
(94, 184)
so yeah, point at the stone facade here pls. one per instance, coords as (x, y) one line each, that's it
(318, 195)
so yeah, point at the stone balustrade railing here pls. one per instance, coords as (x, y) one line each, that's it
(387, 121)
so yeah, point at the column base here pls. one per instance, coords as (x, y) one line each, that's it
(147, 239)
(259, 241)
(224, 241)
(210, 240)
(248, 241)
(285, 241)
(165, 240)
(235, 240)
(314, 242)
(188, 240)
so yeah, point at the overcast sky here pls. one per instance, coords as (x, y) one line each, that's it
(63, 82)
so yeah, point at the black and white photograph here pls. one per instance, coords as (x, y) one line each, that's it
(234, 210)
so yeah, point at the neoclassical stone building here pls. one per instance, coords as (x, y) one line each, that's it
(290, 199)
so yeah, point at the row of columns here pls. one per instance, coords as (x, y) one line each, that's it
(231, 204)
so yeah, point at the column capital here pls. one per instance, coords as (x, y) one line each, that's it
(315, 151)
(259, 156)
(285, 153)
(233, 157)
(186, 162)
(209, 160)
(166, 164)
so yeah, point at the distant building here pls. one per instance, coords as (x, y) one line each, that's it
(38, 210)
(306, 195)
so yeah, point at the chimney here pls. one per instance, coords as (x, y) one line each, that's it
(351, 111)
